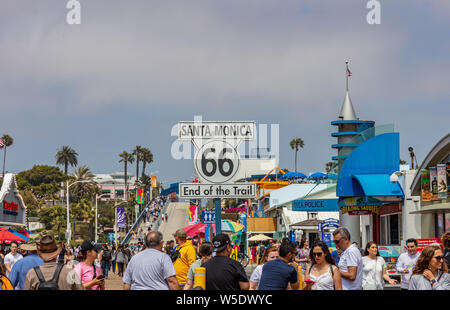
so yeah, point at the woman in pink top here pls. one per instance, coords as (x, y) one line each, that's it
(91, 276)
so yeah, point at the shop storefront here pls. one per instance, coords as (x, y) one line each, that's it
(12, 207)
(431, 184)
(370, 204)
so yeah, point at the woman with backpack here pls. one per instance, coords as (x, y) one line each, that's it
(106, 257)
(121, 259)
(322, 274)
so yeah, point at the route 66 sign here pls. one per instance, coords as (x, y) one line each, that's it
(217, 161)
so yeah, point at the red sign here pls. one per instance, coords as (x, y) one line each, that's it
(10, 208)
(423, 243)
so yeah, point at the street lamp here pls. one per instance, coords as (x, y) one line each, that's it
(69, 228)
(96, 199)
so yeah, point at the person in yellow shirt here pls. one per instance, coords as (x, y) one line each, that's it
(186, 257)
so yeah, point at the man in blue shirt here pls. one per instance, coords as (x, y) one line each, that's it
(21, 268)
(279, 273)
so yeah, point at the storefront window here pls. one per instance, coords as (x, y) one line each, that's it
(390, 229)
(442, 222)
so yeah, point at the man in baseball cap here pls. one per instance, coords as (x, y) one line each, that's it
(21, 268)
(220, 242)
(223, 272)
(187, 256)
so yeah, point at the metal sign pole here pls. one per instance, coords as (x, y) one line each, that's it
(218, 216)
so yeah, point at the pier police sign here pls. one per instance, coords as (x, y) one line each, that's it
(314, 205)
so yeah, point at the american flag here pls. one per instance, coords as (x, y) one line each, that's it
(348, 72)
(1, 143)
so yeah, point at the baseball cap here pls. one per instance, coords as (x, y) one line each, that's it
(180, 234)
(89, 245)
(220, 242)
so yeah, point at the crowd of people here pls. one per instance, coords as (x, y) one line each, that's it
(155, 265)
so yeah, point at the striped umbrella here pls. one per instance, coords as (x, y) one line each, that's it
(7, 236)
(18, 234)
(231, 226)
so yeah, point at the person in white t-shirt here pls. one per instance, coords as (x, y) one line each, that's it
(269, 254)
(12, 257)
(350, 262)
(374, 268)
(406, 262)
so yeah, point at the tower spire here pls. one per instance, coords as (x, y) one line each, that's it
(347, 110)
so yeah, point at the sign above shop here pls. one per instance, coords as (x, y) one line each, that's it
(313, 205)
(359, 205)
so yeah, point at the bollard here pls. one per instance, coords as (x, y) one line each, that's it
(200, 277)
(300, 277)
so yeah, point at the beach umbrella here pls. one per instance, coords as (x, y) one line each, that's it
(194, 229)
(25, 232)
(259, 237)
(318, 175)
(231, 226)
(18, 234)
(7, 236)
(292, 175)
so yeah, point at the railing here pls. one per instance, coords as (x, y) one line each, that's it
(135, 226)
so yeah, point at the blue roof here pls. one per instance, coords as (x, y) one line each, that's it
(378, 185)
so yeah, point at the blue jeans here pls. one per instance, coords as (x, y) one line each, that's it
(105, 268)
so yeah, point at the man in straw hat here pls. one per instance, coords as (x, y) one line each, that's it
(21, 268)
(48, 250)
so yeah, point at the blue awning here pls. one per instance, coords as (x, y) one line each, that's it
(378, 185)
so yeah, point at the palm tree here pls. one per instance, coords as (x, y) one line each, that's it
(83, 189)
(147, 158)
(7, 141)
(138, 153)
(126, 158)
(328, 166)
(295, 144)
(66, 156)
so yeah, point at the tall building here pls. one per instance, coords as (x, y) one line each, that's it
(348, 138)
(349, 128)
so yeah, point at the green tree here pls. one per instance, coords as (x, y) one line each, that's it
(328, 166)
(138, 153)
(295, 144)
(42, 180)
(54, 219)
(82, 190)
(126, 158)
(67, 156)
(147, 158)
(7, 141)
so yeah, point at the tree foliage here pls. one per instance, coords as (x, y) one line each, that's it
(42, 180)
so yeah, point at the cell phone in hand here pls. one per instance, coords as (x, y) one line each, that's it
(310, 281)
(100, 277)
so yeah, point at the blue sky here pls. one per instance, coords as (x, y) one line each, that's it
(132, 70)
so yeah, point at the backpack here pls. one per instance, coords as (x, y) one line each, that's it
(53, 283)
(175, 254)
(106, 256)
(5, 284)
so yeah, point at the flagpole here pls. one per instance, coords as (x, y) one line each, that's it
(346, 75)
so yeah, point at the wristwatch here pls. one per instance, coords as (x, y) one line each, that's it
(433, 282)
